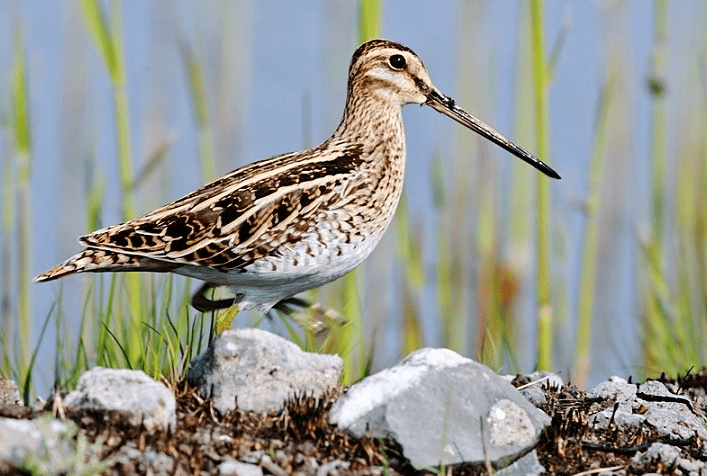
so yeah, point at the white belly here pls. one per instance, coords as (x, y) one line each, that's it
(289, 271)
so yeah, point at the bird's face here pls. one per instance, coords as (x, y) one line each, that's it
(394, 75)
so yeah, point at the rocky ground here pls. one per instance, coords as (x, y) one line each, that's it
(625, 443)
(617, 428)
(300, 440)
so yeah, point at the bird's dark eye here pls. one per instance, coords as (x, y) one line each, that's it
(397, 62)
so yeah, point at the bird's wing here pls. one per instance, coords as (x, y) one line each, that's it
(242, 216)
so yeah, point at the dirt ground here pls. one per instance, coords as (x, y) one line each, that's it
(300, 441)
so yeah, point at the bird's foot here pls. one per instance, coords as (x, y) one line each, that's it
(312, 316)
(223, 320)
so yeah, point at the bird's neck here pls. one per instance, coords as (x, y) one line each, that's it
(376, 127)
(375, 124)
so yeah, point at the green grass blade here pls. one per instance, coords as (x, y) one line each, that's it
(21, 103)
(27, 380)
(540, 86)
(656, 324)
(195, 74)
(410, 258)
(370, 16)
(591, 234)
(97, 26)
(22, 138)
(659, 166)
(124, 352)
(107, 40)
(103, 351)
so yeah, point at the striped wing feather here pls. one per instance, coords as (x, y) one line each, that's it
(247, 214)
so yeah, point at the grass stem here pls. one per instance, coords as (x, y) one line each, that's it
(545, 326)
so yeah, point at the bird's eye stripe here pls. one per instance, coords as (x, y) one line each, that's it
(397, 62)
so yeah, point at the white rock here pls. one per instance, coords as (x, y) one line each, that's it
(528, 465)
(19, 437)
(439, 406)
(237, 468)
(9, 393)
(132, 392)
(260, 371)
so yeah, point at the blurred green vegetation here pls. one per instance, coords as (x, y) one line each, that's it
(485, 233)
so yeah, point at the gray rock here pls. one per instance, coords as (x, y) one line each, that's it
(692, 466)
(509, 424)
(131, 460)
(9, 393)
(158, 464)
(533, 391)
(673, 421)
(540, 377)
(38, 404)
(253, 457)
(306, 464)
(129, 452)
(237, 468)
(272, 467)
(528, 465)
(615, 389)
(260, 371)
(666, 454)
(439, 406)
(656, 389)
(131, 392)
(650, 405)
(652, 389)
(47, 446)
(332, 468)
(534, 395)
(17, 437)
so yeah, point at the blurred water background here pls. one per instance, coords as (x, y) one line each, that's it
(463, 259)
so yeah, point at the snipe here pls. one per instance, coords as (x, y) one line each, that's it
(296, 221)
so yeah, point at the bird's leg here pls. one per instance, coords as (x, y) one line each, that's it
(288, 305)
(221, 321)
(203, 304)
(318, 323)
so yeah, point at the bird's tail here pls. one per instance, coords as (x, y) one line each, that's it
(95, 261)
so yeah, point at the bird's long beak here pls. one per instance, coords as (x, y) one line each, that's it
(446, 106)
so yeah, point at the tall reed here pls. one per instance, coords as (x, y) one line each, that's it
(588, 274)
(19, 211)
(673, 255)
(657, 330)
(108, 42)
(412, 276)
(540, 87)
(195, 74)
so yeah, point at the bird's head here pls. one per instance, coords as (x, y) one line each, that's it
(390, 71)
(393, 75)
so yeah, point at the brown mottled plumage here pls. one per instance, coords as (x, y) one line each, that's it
(293, 222)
